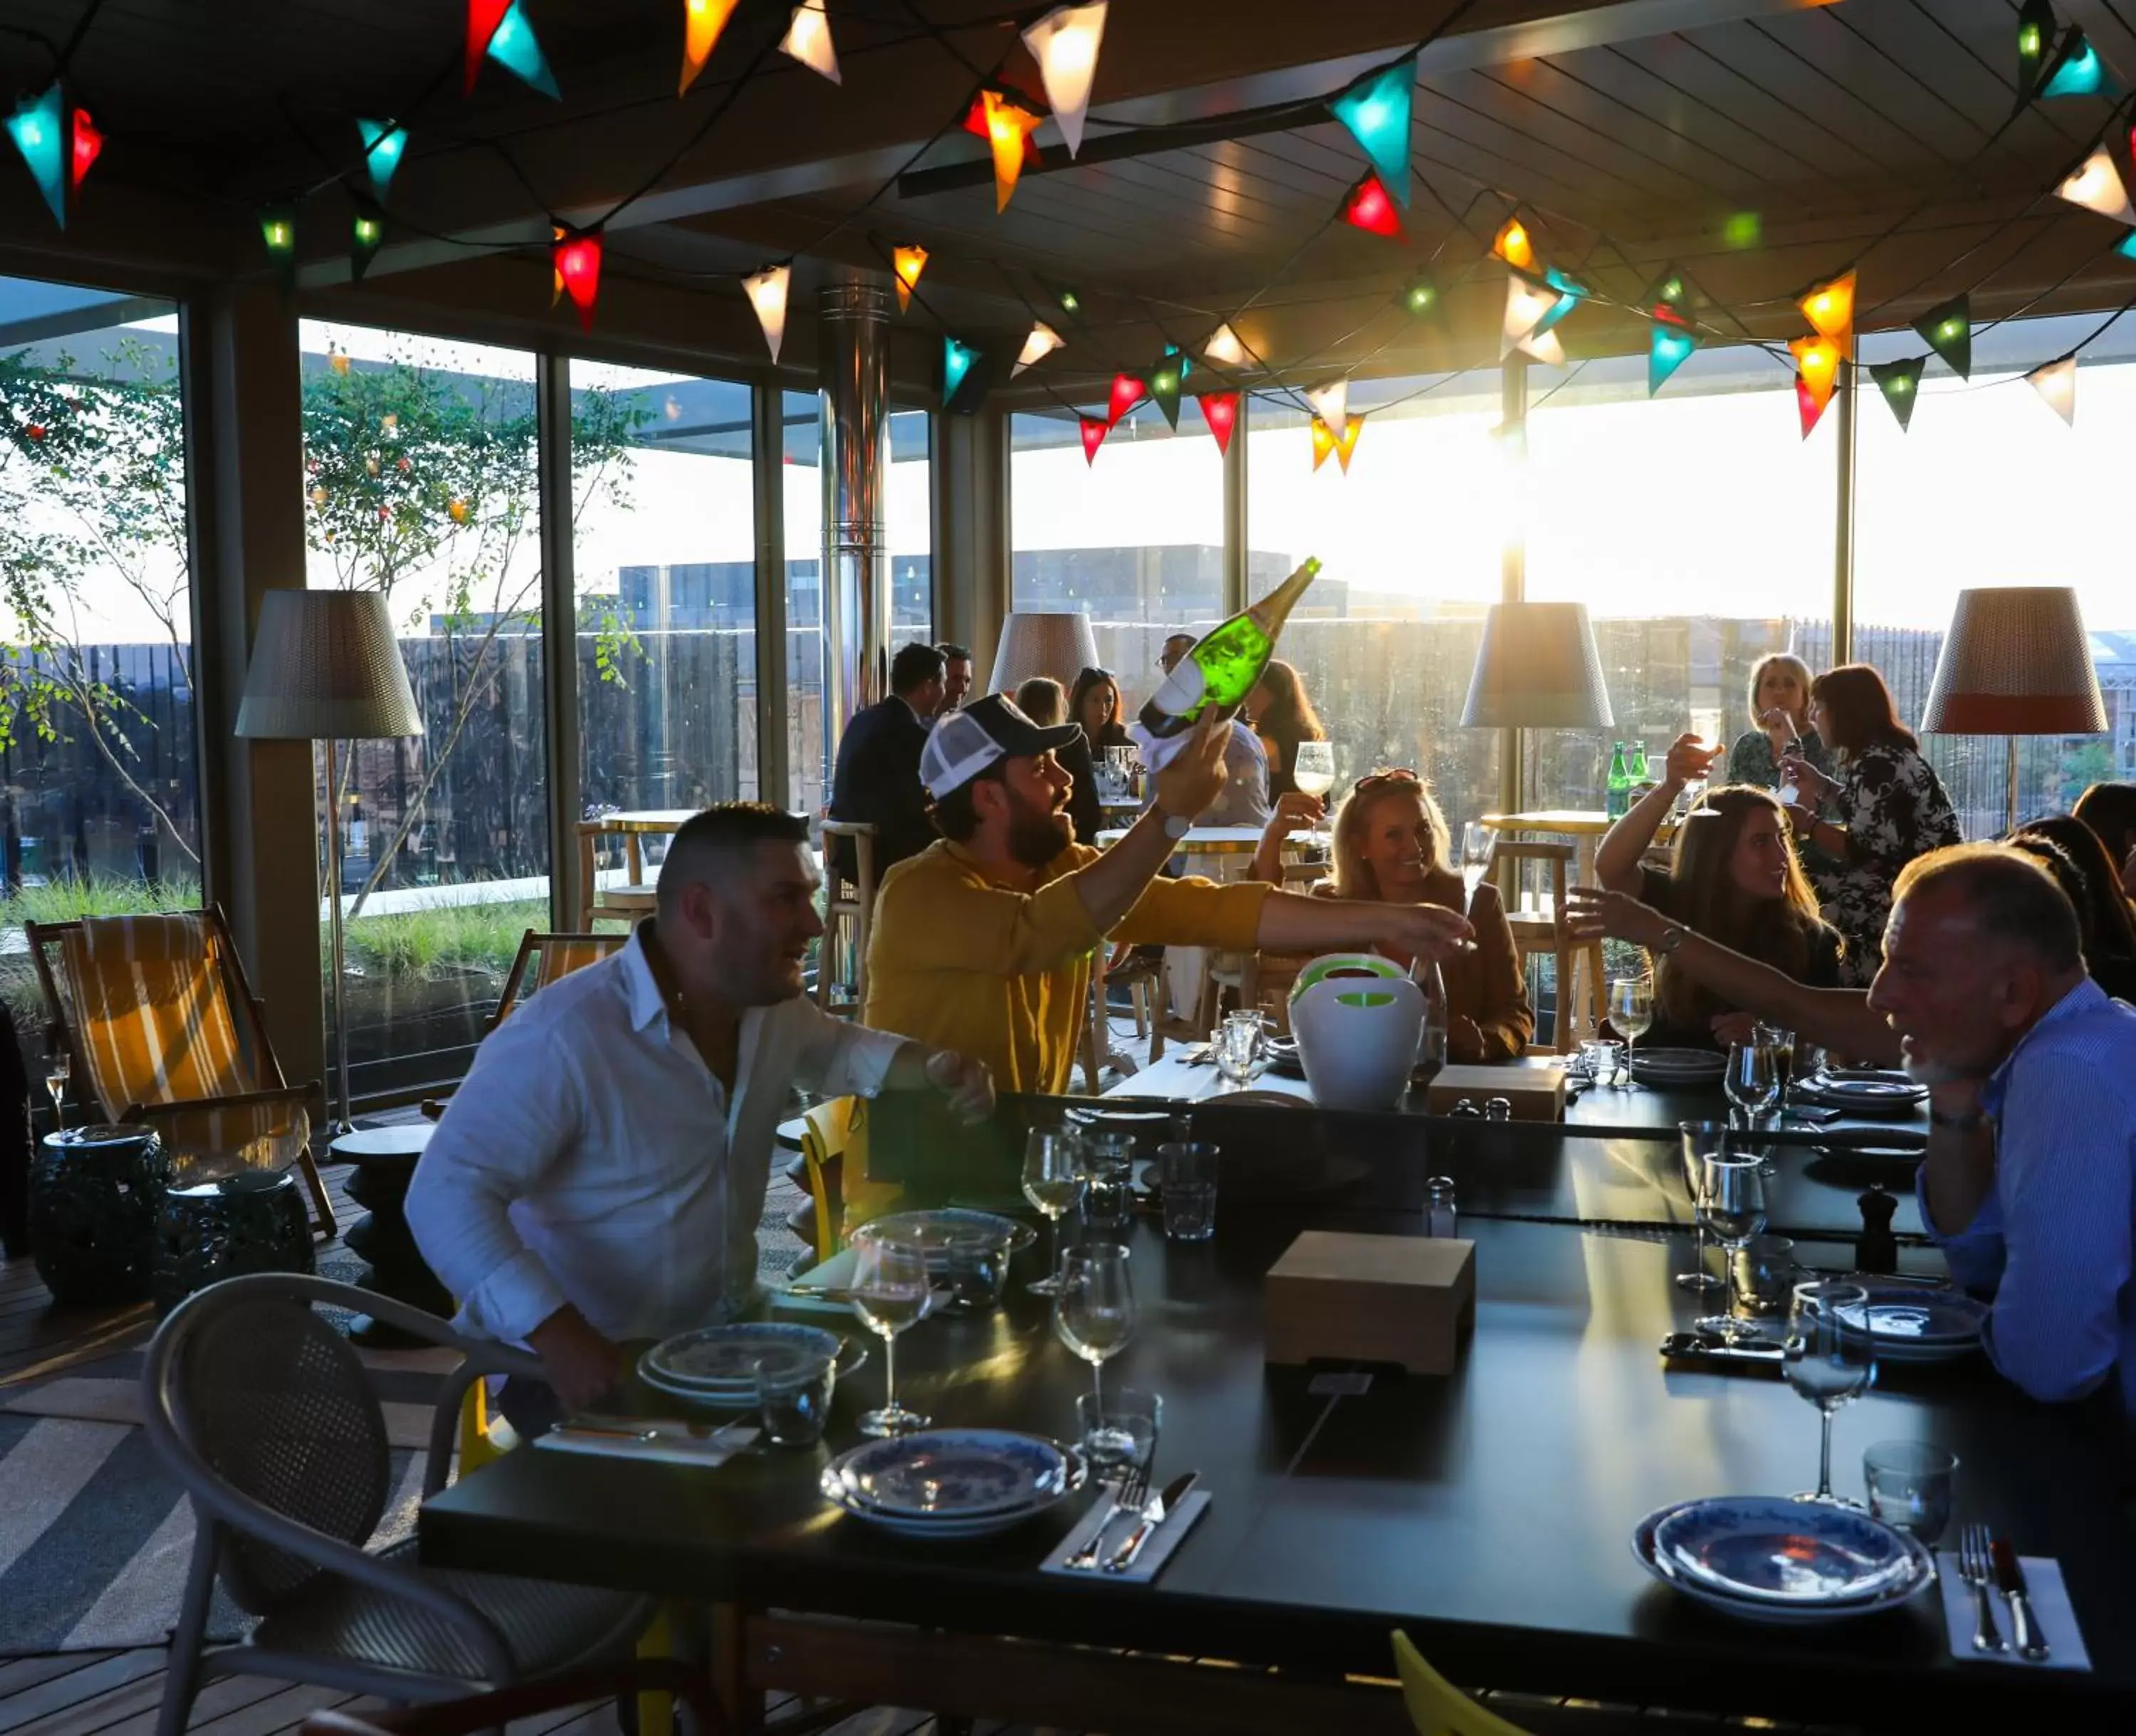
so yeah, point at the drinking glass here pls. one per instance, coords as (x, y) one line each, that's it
(1052, 1182)
(59, 1069)
(1631, 1010)
(793, 1396)
(1699, 1139)
(890, 1291)
(1475, 856)
(1910, 1485)
(1781, 1041)
(1119, 1429)
(1826, 1363)
(1187, 1170)
(1732, 1205)
(1752, 1082)
(1312, 769)
(1093, 1314)
(1108, 1179)
(1241, 1044)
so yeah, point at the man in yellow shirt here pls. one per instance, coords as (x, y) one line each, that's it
(983, 942)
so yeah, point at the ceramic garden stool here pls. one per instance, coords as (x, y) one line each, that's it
(95, 1192)
(385, 1164)
(209, 1230)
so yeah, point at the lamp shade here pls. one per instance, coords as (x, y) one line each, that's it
(1537, 669)
(2016, 662)
(326, 667)
(1031, 644)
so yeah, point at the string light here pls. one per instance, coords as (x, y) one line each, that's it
(957, 360)
(1220, 410)
(1370, 208)
(1330, 403)
(514, 46)
(1222, 345)
(1817, 365)
(88, 146)
(1900, 384)
(384, 144)
(808, 39)
(278, 233)
(1526, 303)
(1808, 405)
(766, 291)
(1164, 383)
(1094, 429)
(2076, 70)
(1376, 109)
(1947, 329)
(1829, 309)
(578, 261)
(1668, 348)
(702, 21)
(1127, 392)
(1065, 44)
(1421, 297)
(1513, 247)
(482, 18)
(2036, 29)
(367, 235)
(2096, 186)
(1326, 441)
(2056, 382)
(1009, 128)
(1041, 343)
(1669, 297)
(37, 128)
(906, 264)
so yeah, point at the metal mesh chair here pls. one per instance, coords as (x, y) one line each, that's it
(264, 1414)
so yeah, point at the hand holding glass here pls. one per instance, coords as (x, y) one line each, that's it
(1053, 1181)
(1312, 769)
(1825, 1361)
(1475, 856)
(890, 1291)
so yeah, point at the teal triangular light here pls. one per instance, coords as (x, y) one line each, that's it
(957, 360)
(1901, 383)
(1669, 349)
(1376, 110)
(516, 49)
(2077, 70)
(2126, 246)
(384, 144)
(38, 127)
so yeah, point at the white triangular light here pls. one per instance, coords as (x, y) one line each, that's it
(1041, 343)
(767, 295)
(1065, 44)
(808, 39)
(1332, 404)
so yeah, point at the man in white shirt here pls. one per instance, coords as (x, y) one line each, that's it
(598, 1176)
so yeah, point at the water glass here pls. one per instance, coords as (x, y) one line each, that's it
(1752, 1082)
(1732, 1206)
(1600, 1059)
(1188, 1172)
(1094, 1312)
(1240, 1045)
(1108, 1179)
(1120, 1427)
(1911, 1484)
(793, 1397)
(1698, 1139)
(1825, 1361)
(1766, 1273)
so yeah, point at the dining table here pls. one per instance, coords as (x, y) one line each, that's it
(1488, 1512)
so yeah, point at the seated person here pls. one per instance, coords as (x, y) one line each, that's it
(984, 943)
(876, 779)
(1391, 845)
(2109, 810)
(2030, 1181)
(1733, 878)
(1243, 797)
(598, 1176)
(1094, 703)
(1041, 700)
(2070, 851)
(1779, 710)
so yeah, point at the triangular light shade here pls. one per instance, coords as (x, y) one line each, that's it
(2056, 382)
(1668, 349)
(906, 264)
(1009, 127)
(766, 291)
(367, 235)
(1065, 44)
(958, 359)
(38, 127)
(384, 145)
(2096, 186)
(1900, 384)
(1220, 410)
(1537, 669)
(1526, 302)
(1127, 392)
(1809, 407)
(1376, 110)
(2016, 662)
(88, 146)
(1513, 247)
(1369, 208)
(2035, 30)
(1095, 429)
(1166, 378)
(577, 259)
(702, 21)
(808, 39)
(1041, 343)
(1330, 403)
(1543, 346)
(514, 46)
(1829, 309)
(1817, 365)
(2077, 70)
(482, 18)
(1947, 329)
(1222, 345)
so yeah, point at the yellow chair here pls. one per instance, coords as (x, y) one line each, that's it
(541, 960)
(835, 1148)
(1436, 1707)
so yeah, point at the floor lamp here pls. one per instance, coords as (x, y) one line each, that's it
(326, 668)
(2016, 662)
(1536, 669)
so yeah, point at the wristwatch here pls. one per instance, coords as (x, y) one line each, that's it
(1177, 826)
(1672, 938)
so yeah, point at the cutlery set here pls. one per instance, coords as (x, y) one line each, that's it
(1148, 1512)
(1988, 1565)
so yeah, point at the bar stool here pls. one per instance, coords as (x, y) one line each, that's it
(625, 903)
(848, 914)
(1140, 977)
(1542, 929)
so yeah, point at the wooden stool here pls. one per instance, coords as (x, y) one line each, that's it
(846, 905)
(1139, 975)
(618, 903)
(1542, 929)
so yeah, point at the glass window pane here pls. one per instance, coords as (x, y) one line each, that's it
(909, 506)
(1989, 487)
(99, 769)
(807, 752)
(420, 481)
(1411, 542)
(1134, 539)
(1698, 527)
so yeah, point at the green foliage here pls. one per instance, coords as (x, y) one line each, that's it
(441, 940)
(2083, 764)
(97, 895)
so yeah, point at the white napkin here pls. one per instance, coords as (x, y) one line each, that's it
(2051, 1615)
(668, 1443)
(1156, 1550)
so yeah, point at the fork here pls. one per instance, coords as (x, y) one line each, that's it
(1973, 1568)
(1134, 1492)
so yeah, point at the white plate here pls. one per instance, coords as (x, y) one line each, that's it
(1768, 1550)
(1776, 1614)
(935, 1528)
(952, 1473)
(724, 1358)
(852, 1354)
(1914, 1325)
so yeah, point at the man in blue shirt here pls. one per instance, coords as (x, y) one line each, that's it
(2030, 1181)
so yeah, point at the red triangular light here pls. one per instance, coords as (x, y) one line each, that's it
(1094, 430)
(1370, 207)
(1128, 391)
(1220, 410)
(88, 145)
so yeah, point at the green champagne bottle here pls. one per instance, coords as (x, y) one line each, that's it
(1226, 661)
(1618, 797)
(1639, 774)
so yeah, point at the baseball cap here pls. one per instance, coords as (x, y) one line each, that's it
(964, 743)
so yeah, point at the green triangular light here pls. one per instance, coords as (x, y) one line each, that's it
(1947, 329)
(1901, 383)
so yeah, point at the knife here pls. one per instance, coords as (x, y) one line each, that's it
(2010, 1577)
(1154, 1516)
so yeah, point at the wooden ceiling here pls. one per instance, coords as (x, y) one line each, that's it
(1757, 145)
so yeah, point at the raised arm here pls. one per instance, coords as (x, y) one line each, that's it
(1617, 861)
(1110, 887)
(1835, 1018)
(1294, 809)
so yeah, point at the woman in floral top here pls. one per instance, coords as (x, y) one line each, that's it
(1888, 807)
(1779, 710)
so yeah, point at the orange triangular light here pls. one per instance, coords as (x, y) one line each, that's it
(1513, 247)
(1829, 308)
(555, 271)
(702, 21)
(1817, 367)
(1009, 123)
(905, 265)
(1324, 442)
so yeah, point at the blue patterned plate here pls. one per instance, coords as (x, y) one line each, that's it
(724, 1358)
(935, 1528)
(1907, 1324)
(1774, 1613)
(952, 1474)
(1772, 1550)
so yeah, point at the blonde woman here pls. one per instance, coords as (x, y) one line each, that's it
(1780, 712)
(1391, 848)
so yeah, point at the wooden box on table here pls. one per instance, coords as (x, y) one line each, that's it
(1407, 1299)
(1536, 1093)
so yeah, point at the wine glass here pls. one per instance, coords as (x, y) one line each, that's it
(1093, 1314)
(1752, 1082)
(1241, 1046)
(1698, 1139)
(1631, 1010)
(1827, 1361)
(1313, 767)
(890, 1291)
(1053, 1181)
(1731, 1207)
(59, 1069)
(1475, 857)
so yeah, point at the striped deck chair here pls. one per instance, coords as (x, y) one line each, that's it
(541, 959)
(164, 1029)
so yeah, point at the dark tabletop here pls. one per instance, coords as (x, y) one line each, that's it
(1488, 1512)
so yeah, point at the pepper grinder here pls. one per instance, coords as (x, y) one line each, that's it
(1877, 1249)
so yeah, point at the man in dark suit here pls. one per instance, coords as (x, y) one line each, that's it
(877, 778)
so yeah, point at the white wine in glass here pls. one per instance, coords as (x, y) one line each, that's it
(890, 1290)
(1475, 857)
(1053, 1181)
(1631, 1011)
(1095, 1315)
(1312, 769)
(59, 1069)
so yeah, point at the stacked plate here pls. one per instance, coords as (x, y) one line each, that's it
(950, 1483)
(1909, 1325)
(716, 1367)
(1862, 1091)
(1682, 1069)
(1765, 1558)
(939, 1231)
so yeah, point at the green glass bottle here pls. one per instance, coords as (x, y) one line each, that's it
(1226, 661)
(1639, 774)
(1618, 797)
